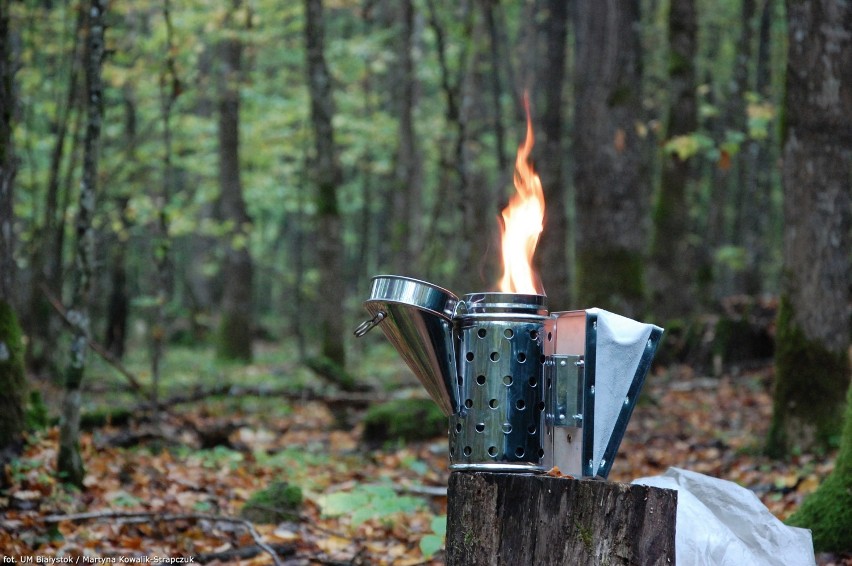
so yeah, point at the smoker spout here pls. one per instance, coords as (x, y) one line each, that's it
(416, 318)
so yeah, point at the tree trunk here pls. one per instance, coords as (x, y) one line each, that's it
(119, 301)
(453, 217)
(488, 8)
(813, 336)
(609, 176)
(552, 257)
(7, 158)
(328, 177)
(533, 519)
(673, 258)
(758, 155)
(407, 201)
(12, 377)
(742, 189)
(235, 326)
(169, 91)
(69, 461)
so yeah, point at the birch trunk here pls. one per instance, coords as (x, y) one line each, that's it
(69, 461)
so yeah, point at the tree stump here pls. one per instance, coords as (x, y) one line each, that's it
(500, 518)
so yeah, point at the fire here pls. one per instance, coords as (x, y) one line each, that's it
(523, 221)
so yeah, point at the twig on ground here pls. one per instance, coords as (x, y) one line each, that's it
(200, 394)
(136, 516)
(244, 552)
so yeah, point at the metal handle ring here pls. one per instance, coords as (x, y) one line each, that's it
(368, 325)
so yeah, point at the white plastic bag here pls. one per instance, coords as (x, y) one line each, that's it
(720, 523)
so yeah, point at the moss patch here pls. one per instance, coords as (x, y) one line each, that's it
(38, 417)
(404, 419)
(280, 501)
(807, 376)
(13, 385)
(828, 511)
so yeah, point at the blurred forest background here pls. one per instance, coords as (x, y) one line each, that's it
(195, 188)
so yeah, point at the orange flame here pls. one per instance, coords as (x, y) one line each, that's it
(523, 221)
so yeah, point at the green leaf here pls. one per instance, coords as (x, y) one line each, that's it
(439, 525)
(368, 502)
(430, 544)
(433, 542)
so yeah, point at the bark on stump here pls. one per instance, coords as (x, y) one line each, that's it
(498, 519)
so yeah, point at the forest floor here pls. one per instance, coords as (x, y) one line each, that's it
(174, 486)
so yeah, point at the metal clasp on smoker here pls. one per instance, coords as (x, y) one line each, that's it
(564, 375)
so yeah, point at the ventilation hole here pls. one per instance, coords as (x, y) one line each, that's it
(493, 403)
(507, 380)
(468, 403)
(541, 405)
(550, 336)
(508, 333)
(531, 429)
(480, 427)
(495, 356)
(519, 404)
(534, 334)
(467, 450)
(458, 427)
(540, 453)
(549, 383)
(519, 451)
(452, 447)
(542, 359)
(460, 379)
(481, 333)
(469, 356)
(480, 379)
(522, 357)
(507, 428)
(492, 451)
(533, 381)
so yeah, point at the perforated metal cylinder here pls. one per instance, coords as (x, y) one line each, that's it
(500, 362)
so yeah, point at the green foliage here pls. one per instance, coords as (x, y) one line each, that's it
(760, 117)
(280, 501)
(366, 502)
(220, 457)
(124, 499)
(689, 145)
(731, 257)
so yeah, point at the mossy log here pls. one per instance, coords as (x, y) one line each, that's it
(404, 419)
(499, 518)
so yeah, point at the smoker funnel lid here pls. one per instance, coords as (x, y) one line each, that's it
(414, 293)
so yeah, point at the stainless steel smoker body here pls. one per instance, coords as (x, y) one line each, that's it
(524, 389)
